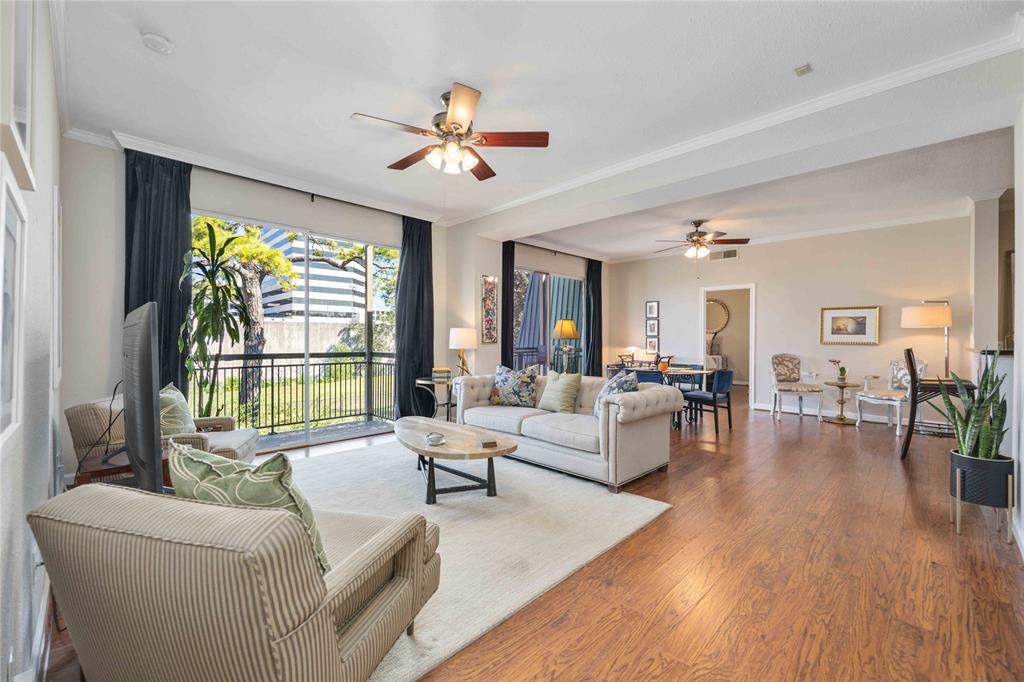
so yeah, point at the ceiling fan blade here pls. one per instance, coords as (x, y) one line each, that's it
(715, 235)
(677, 246)
(416, 156)
(481, 171)
(730, 241)
(461, 107)
(404, 127)
(537, 138)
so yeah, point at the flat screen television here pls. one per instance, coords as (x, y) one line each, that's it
(140, 373)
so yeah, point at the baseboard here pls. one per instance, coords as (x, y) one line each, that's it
(741, 383)
(811, 410)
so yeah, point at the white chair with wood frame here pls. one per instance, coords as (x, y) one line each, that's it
(893, 396)
(787, 379)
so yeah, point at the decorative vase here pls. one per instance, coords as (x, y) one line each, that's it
(663, 365)
(841, 378)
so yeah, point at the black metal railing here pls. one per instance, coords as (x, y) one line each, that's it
(267, 390)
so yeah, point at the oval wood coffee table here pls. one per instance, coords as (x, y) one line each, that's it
(461, 442)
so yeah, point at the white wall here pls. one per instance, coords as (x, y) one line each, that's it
(25, 462)
(888, 267)
(985, 273)
(734, 340)
(94, 243)
(1018, 324)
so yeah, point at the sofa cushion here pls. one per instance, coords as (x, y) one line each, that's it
(514, 387)
(560, 392)
(199, 475)
(623, 382)
(500, 418)
(577, 431)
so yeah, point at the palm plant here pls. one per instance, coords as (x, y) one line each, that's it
(979, 427)
(217, 312)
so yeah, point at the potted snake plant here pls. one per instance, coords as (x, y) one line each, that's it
(985, 476)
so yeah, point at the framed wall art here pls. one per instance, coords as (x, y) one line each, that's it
(488, 309)
(653, 309)
(849, 326)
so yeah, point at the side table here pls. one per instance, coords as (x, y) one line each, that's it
(430, 385)
(841, 418)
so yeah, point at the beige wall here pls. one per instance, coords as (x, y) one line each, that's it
(985, 273)
(734, 340)
(26, 457)
(889, 267)
(1017, 386)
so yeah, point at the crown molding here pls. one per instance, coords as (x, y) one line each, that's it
(167, 151)
(951, 62)
(89, 137)
(827, 232)
(59, 44)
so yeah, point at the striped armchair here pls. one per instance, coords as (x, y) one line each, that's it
(154, 587)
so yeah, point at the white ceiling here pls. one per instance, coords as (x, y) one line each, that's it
(927, 182)
(270, 86)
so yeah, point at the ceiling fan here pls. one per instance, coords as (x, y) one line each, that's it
(453, 137)
(698, 241)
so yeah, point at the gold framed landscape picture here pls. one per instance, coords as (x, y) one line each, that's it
(849, 326)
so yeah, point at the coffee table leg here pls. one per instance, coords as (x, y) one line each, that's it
(492, 488)
(431, 487)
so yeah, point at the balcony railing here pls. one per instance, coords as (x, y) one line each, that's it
(267, 390)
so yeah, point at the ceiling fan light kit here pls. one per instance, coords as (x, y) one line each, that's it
(453, 129)
(698, 241)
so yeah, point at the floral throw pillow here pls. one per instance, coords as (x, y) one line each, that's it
(623, 382)
(515, 387)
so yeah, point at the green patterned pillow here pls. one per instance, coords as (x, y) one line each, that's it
(623, 382)
(175, 416)
(199, 475)
(515, 388)
(560, 391)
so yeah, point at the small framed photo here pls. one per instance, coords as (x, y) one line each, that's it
(652, 344)
(653, 309)
(652, 328)
(849, 326)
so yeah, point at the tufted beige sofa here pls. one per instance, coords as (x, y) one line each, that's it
(628, 439)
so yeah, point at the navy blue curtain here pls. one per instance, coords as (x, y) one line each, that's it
(158, 234)
(593, 343)
(414, 319)
(508, 282)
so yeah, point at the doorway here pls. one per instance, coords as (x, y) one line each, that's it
(727, 337)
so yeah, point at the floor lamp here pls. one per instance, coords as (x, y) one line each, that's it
(929, 315)
(461, 339)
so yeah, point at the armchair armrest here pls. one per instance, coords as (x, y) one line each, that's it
(216, 423)
(402, 541)
(472, 391)
(649, 400)
(199, 441)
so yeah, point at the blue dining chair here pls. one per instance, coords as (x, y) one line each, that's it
(651, 376)
(720, 393)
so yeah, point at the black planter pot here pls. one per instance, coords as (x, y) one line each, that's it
(983, 481)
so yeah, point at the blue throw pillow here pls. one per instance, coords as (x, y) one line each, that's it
(623, 382)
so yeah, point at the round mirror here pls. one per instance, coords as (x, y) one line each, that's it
(716, 316)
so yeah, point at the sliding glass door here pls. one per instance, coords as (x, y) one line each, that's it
(317, 360)
(548, 321)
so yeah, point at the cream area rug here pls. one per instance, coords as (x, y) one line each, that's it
(497, 553)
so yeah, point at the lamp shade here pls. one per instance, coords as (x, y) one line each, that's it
(460, 338)
(926, 316)
(565, 330)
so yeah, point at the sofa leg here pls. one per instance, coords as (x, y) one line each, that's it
(409, 630)
(612, 488)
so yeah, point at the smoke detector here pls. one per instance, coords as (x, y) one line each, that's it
(157, 43)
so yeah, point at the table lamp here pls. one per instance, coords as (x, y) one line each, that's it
(461, 339)
(565, 330)
(930, 315)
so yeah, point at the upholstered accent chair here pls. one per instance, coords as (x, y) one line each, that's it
(155, 587)
(88, 424)
(896, 392)
(788, 379)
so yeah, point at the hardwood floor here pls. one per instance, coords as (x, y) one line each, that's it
(794, 550)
